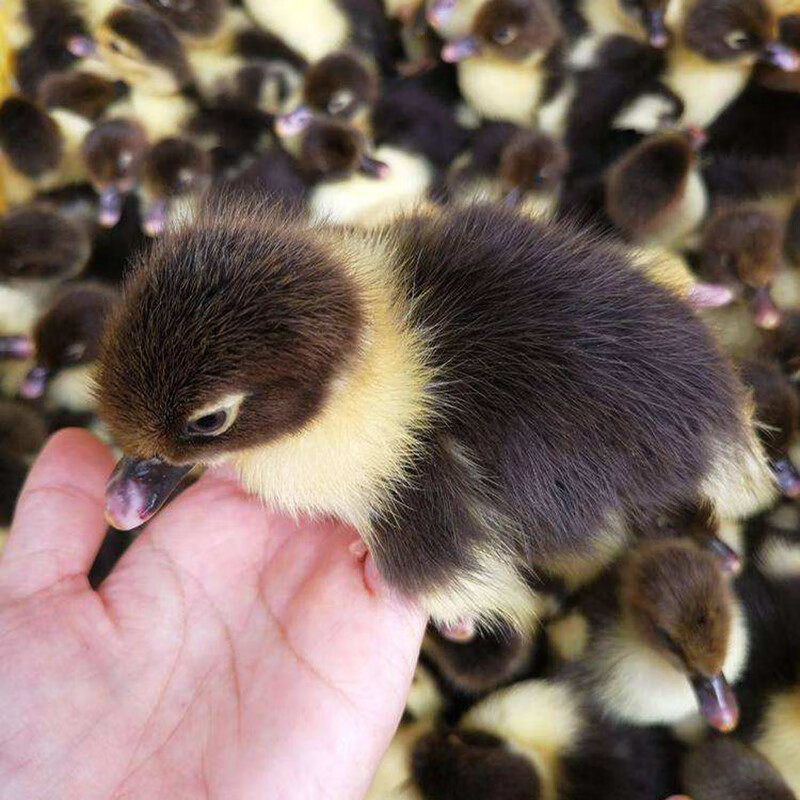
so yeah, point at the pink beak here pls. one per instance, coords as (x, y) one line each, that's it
(460, 50)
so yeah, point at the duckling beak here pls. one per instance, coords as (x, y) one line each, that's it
(460, 49)
(17, 347)
(374, 168)
(137, 489)
(81, 46)
(294, 122)
(439, 11)
(110, 207)
(717, 702)
(657, 33)
(787, 477)
(765, 313)
(35, 383)
(728, 558)
(781, 56)
(709, 295)
(154, 218)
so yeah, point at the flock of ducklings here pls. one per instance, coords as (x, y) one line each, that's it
(672, 668)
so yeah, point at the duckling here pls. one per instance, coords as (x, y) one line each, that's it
(741, 249)
(774, 542)
(113, 154)
(662, 637)
(724, 769)
(507, 64)
(66, 339)
(38, 150)
(197, 19)
(719, 42)
(175, 170)
(777, 416)
(360, 24)
(387, 317)
(343, 85)
(655, 193)
(83, 93)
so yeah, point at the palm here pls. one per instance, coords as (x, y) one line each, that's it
(229, 655)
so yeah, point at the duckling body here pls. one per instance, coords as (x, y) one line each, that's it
(417, 262)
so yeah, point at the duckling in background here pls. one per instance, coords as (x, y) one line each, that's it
(22, 435)
(508, 65)
(113, 154)
(66, 340)
(777, 416)
(338, 24)
(38, 150)
(505, 162)
(741, 250)
(198, 20)
(661, 637)
(774, 542)
(655, 193)
(175, 172)
(783, 344)
(359, 312)
(724, 769)
(83, 93)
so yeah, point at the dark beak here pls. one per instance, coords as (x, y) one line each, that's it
(787, 476)
(780, 56)
(373, 168)
(460, 49)
(17, 347)
(728, 558)
(136, 490)
(35, 383)
(709, 295)
(765, 313)
(294, 122)
(154, 218)
(657, 33)
(717, 702)
(110, 207)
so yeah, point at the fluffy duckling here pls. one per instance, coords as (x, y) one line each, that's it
(741, 250)
(66, 339)
(38, 150)
(659, 638)
(338, 24)
(506, 66)
(724, 769)
(505, 162)
(175, 170)
(83, 93)
(655, 193)
(469, 456)
(777, 416)
(113, 154)
(197, 19)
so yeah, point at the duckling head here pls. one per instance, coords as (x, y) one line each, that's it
(513, 30)
(676, 600)
(229, 335)
(29, 137)
(173, 168)
(742, 249)
(84, 93)
(532, 162)
(737, 30)
(200, 18)
(650, 14)
(113, 153)
(38, 242)
(68, 334)
(333, 149)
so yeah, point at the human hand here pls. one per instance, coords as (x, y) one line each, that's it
(230, 654)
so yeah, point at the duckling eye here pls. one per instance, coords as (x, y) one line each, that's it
(505, 35)
(737, 40)
(339, 101)
(209, 424)
(115, 48)
(668, 642)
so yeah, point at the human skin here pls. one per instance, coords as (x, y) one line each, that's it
(232, 653)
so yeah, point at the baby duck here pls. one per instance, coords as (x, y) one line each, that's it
(82, 93)
(506, 64)
(741, 249)
(777, 416)
(175, 170)
(113, 154)
(655, 193)
(66, 339)
(384, 327)
(660, 637)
